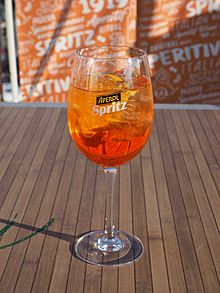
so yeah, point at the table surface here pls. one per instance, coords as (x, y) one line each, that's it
(168, 196)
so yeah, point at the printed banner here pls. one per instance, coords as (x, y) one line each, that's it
(48, 32)
(182, 38)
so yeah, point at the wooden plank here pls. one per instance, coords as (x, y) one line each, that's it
(12, 123)
(48, 254)
(214, 144)
(76, 275)
(211, 190)
(196, 118)
(32, 259)
(19, 153)
(25, 153)
(173, 257)
(217, 115)
(27, 188)
(13, 138)
(4, 114)
(209, 144)
(143, 279)
(198, 188)
(109, 279)
(215, 125)
(93, 275)
(204, 257)
(22, 172)
(15, 260)
(24, 166)
(63, 256)
(6, 122)
(189, 260)
(126, 273)
(157, 254)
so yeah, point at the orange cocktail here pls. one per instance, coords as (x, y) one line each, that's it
(111, 123)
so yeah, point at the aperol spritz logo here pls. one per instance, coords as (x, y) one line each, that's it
(114, 104)
(108, 99)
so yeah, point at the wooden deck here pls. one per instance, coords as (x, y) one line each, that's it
(168, 196)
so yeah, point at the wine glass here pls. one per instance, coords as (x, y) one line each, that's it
(110, 117)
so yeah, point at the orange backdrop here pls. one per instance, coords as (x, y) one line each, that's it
(49, 30)
(182, 38)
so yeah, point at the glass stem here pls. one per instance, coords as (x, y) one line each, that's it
(109, 229)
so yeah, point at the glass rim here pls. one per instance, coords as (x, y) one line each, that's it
(142, 53)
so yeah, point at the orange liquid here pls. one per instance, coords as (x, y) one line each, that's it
(111, 134)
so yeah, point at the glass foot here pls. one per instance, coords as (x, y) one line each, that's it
(93, 248)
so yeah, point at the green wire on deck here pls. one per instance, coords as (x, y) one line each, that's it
(29, 236)
(8, 226)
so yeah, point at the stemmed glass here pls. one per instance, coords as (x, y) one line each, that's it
(110, 117)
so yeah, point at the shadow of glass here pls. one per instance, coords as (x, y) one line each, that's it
(115, 259)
